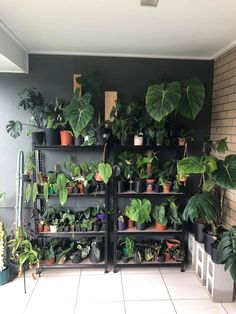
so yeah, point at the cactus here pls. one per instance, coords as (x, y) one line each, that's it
(3, 246)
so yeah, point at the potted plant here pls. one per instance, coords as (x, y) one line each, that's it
(184, 136)
(49, 256)
(29, 167)
(128, 249)
(173, 214)
(165, 183)
(31, 101)
(138, 139)
(96, 254)
(139, 211)
(4, 268)
(149, 254)
(159, 215)
(178, 255)
(54, 225)
(126, 162)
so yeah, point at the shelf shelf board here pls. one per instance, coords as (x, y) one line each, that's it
(71, 234)
(147, 147)
(148, 194)
(132, 264)
(150, 229)
(84, 264)
(68, 147)
(97, 194)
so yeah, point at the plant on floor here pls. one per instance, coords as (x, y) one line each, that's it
(32, 101)
(4, 268)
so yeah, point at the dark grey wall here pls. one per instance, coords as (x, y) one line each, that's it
(53, 77)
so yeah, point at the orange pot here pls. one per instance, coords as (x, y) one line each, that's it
(130, 223)
(167, 256)
(46, 228)
(182, 141)
(166, 188)
(69, 189)
(66, 138)
(160, 227)
(40, 228)
(50, 261)
(98, 177)
(80, 187)
(172, 242)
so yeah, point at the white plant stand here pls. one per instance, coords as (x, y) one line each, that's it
(201, 263)
(219, 282)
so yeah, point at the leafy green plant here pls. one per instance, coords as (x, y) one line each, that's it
(79, 113)
(3, 246)
(227, 251)
(128, 247)
(139, 210)
(159, 214)
(105, 171)
(61, 188)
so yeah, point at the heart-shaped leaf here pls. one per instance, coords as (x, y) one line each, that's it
(225, 175)
(105, 171)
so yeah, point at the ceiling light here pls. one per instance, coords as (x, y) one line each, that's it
(149, 3)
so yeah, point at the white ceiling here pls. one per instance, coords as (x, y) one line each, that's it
(198, 29)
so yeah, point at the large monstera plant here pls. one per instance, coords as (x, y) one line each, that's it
(188, 99)
(79, 112)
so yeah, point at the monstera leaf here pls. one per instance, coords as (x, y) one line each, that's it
(14, 128)
(192, 100)
(79, 113)
(227, 251)
(201, 206)
(105, 171)
(162, 99)
(225, 175)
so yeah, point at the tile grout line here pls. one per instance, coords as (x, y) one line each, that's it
(77, 292)
(123, 294)
(25, 308)
(168, 293)
(224, 308)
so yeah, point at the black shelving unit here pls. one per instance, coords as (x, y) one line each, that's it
(145, 234)
(38, 154)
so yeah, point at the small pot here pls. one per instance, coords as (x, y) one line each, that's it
(167, 186)
(4, 276)
(50, 261)
(98, 177)
(76, 257)
(138, 186)
(120, 186)
(156, 188)
(40, 228)
(53, 228)
(66, 229)
(60, 229)
(214, 252)
(160, 227)
(138, 140)
(37, 137)
(69, 189)
(199, 231)
(141, 226)
(130, 223)
(161, 258)
(172, 242)
(167, 256)
(182, 141)
(46, 228)
(97, 227)
(52, 136)
(131, 186)
(149, 185)
(66, 138)
(208, 240)
(78, 140)
(125, 259)
(80, 187)
(121, 225)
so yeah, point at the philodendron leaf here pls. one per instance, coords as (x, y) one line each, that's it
(14, 128)
(79, 113)
(162, 99)
(35, 191)
(28, 191)
(190, 165)
(192, 99)
(61, 188)
(105, 171)
(203, 206)
(225, 175)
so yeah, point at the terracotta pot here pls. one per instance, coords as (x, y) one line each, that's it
(50, 261)
(166, 188)
(138, 140)
(167, 256)
(160, 227)
(98, 177)
(149, 185)
(69, 189)
(80, 187)
(46, 228)
(40, 228)
(66, 138)
(172, 242)
(182, 141)
(130, 223)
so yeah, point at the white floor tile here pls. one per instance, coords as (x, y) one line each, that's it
(55, 294)
(92, 271)
(144, 287)
(198, 307)
(12, 296)
(230, 307)
(141, 307)
(185, 286)
(100, 307)
(60, 272)
(174, 270)
(141, 270)
(100, 288)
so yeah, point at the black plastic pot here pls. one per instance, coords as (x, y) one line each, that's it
(176, 226)
(131, 186)
(161, 258)
(37, 137)
(120, 186)
(101, 186)
(199, 231)
(208, 240)
(119, 254)
(138, 186)
(156, 187)
(92, 256)
(75, 191)
(52, 136)
(76, 257)
(4, 276)
(40, 189)
(26, 178)
(141, 226)
(97, 227)
(78, 140)
(214, 253)
(125, 259)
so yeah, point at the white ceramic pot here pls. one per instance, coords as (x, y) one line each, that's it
(53, 228)
(138, 140)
